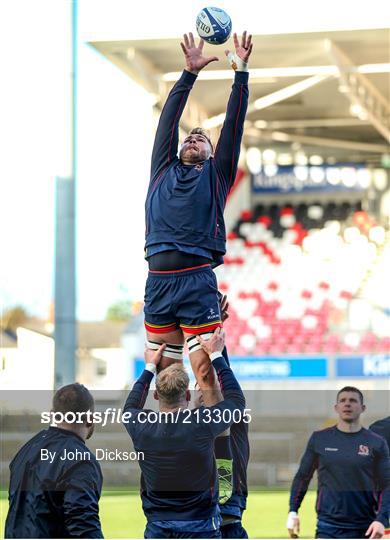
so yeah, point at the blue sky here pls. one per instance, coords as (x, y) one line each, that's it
(113, 152)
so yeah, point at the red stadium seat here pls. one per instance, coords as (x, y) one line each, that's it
(298, 285)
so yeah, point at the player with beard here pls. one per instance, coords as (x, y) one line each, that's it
(185, 230)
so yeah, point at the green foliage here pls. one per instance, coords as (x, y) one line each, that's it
(13, 317)
(120, 311)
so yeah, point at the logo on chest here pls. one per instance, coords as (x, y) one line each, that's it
(363, 450)
(199, 167)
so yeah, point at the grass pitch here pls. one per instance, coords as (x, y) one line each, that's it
(122, 517)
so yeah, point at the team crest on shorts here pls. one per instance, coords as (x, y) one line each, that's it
(213, 314)
(363, 450)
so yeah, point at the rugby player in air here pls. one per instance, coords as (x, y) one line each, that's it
(185, 230)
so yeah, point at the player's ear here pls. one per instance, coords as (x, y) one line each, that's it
(155, 395)
(363, 407)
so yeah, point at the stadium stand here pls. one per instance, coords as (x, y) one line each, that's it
(298, 276)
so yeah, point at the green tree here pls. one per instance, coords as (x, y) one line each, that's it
(120, 311)
(13, 317)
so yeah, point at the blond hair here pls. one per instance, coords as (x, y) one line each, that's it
(172, 384)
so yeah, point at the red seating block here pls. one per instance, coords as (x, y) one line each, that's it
(286, 211)
(384, 345)
(265, 220)
(324, 285)
(246, 215)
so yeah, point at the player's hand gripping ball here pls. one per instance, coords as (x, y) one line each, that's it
(213, 25)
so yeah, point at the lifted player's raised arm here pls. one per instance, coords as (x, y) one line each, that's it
(228, 148)
(167, 135)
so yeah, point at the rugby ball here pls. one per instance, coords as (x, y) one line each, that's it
(213, 25)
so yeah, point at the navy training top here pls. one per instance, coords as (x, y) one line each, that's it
(382, 427)
(58, 499)
(185, 204)
(350, 466)
(239, 443)
(178, 472)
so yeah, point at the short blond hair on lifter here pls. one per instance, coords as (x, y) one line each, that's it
(172, 383)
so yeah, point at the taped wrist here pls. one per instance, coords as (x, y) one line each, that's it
(291, 520)
(151, 367)
(193, 343)
(236, 62)
(171, 350)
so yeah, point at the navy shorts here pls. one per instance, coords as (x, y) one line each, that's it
(233, 530)
(203, 528)
(188, 299)
(327, 530)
